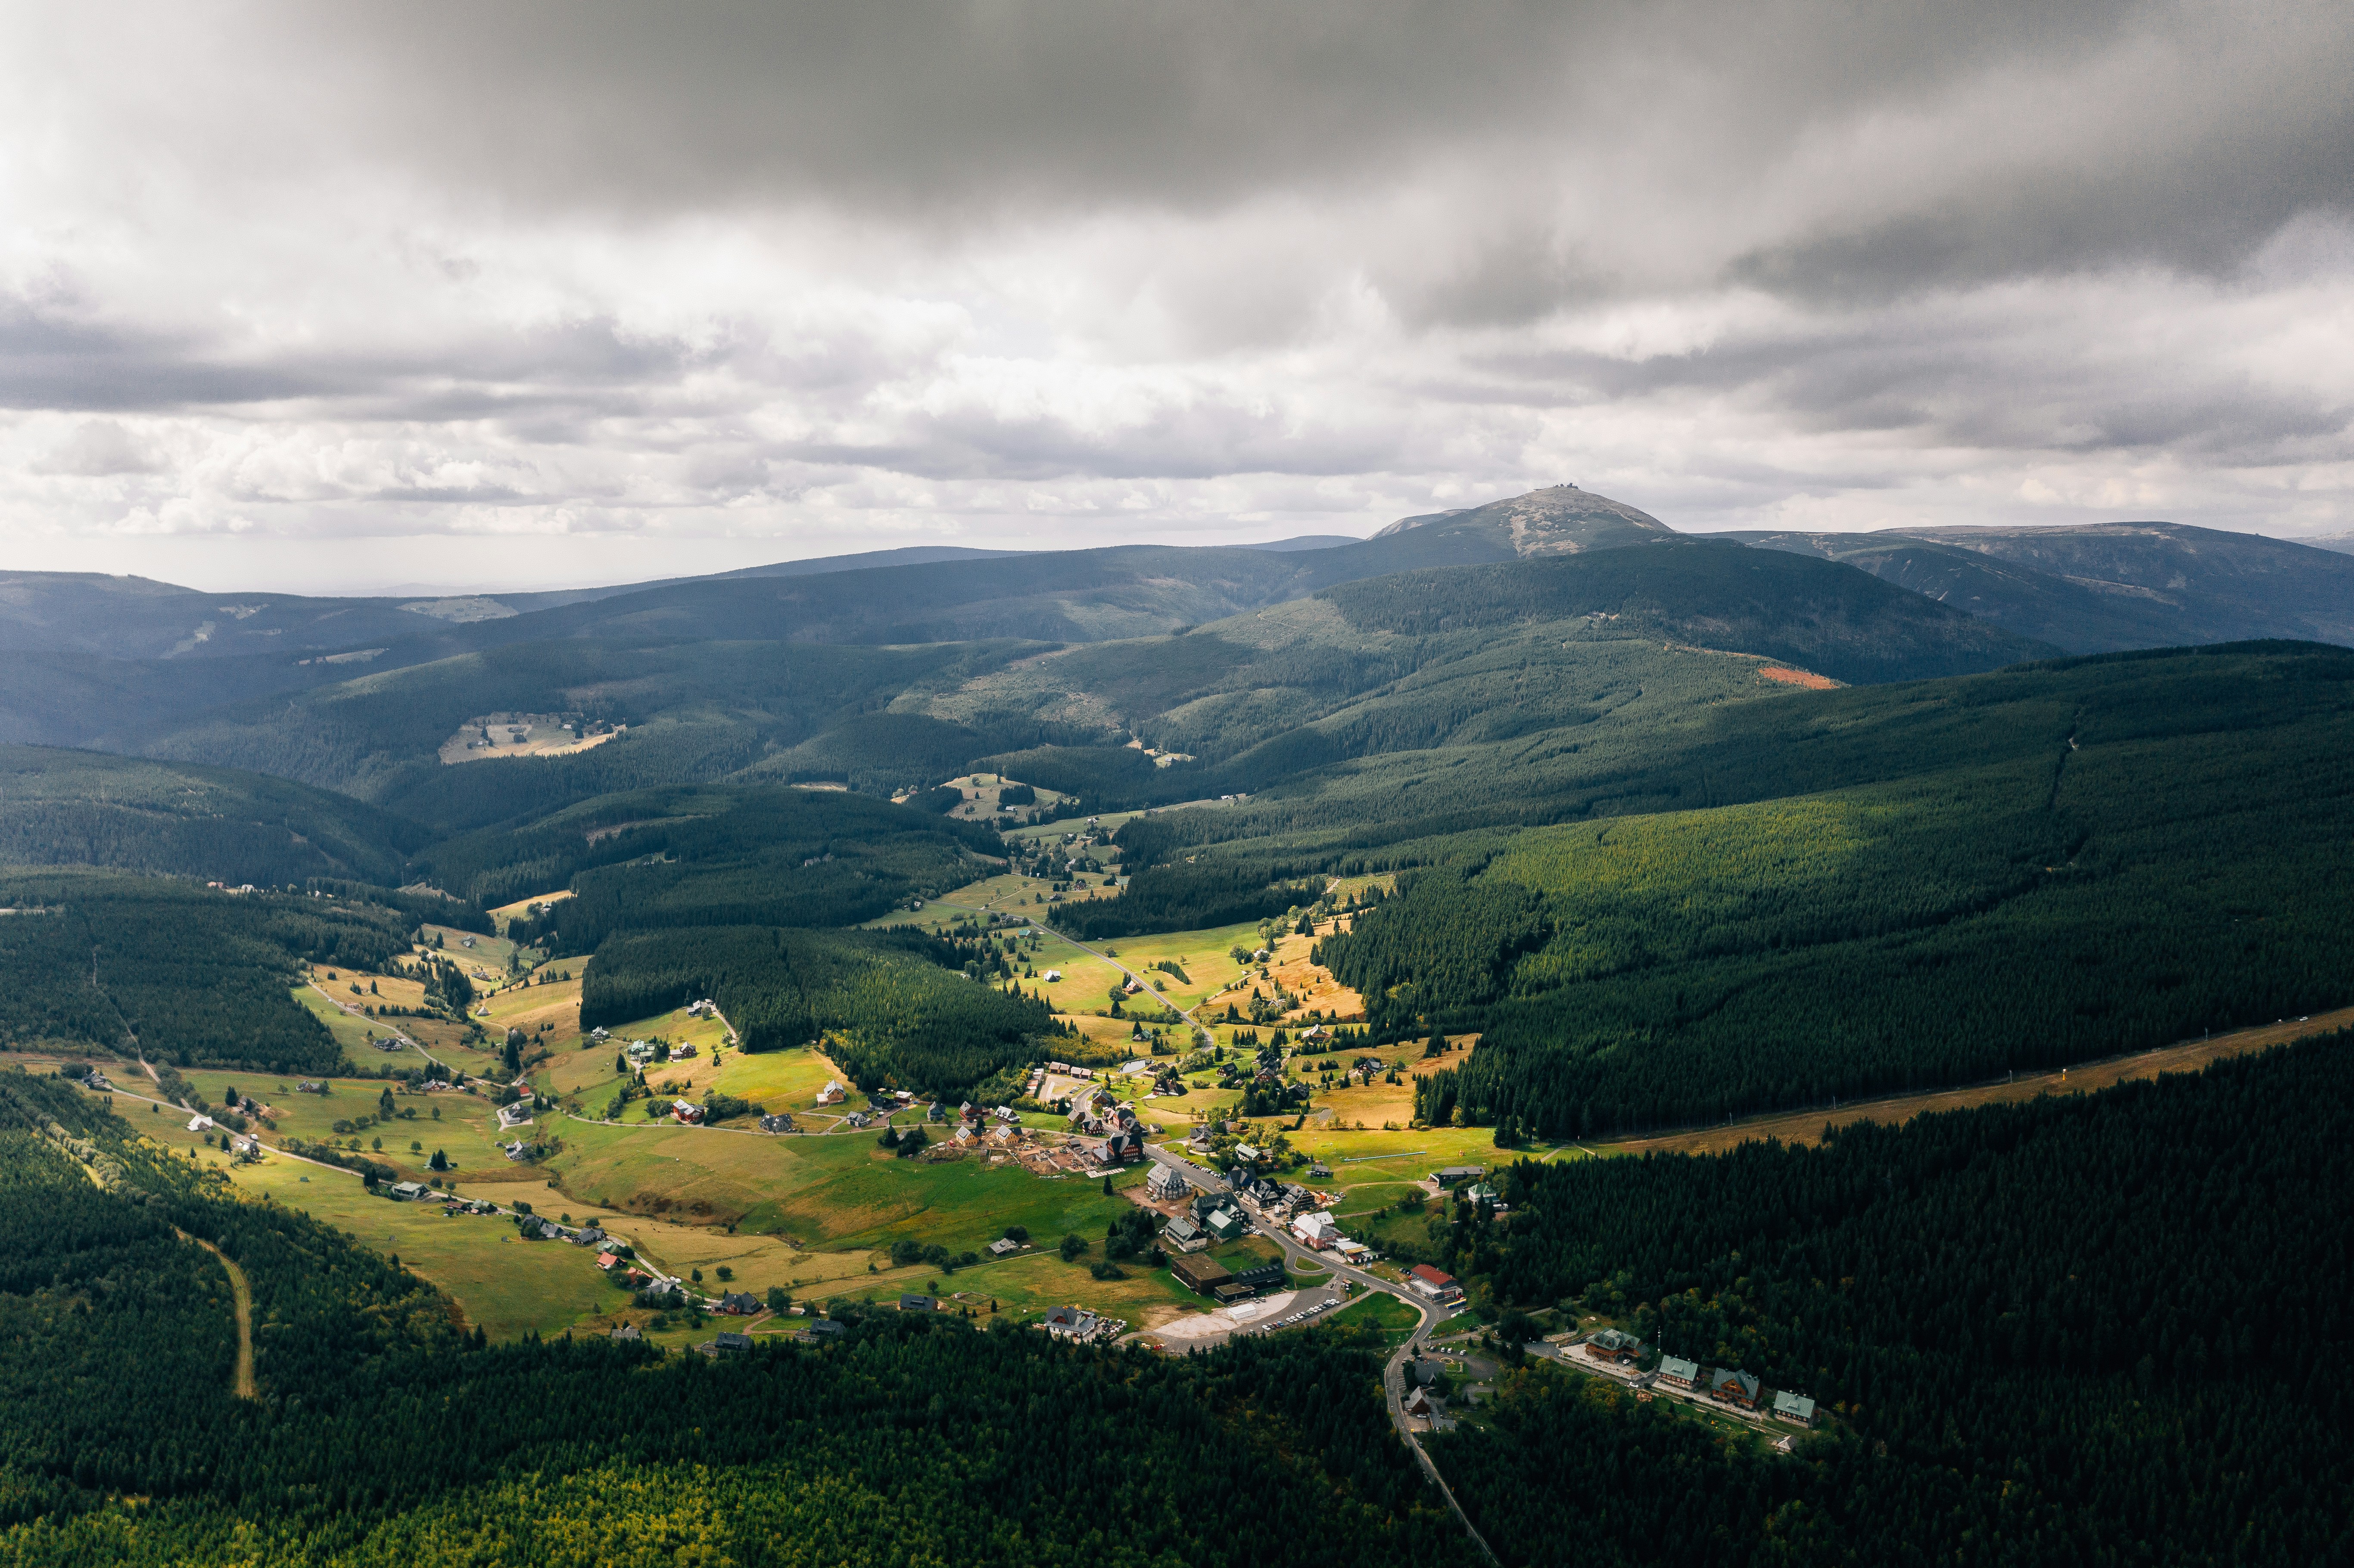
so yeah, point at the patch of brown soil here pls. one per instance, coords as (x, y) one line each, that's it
(1783, 675)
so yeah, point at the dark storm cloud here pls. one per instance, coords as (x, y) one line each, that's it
(2022, 137)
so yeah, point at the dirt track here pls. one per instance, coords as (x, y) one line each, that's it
(1807, 1127)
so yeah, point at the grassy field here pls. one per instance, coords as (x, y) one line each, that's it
(1383, 1313)
(520, 906)
(506, 1285)
(1025, 1286)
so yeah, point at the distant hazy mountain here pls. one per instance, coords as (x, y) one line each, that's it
(1307, 542)
(2109, 586)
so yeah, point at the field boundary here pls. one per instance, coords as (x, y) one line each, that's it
(1806, 1125)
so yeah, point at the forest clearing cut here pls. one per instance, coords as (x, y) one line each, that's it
(2184, 1057)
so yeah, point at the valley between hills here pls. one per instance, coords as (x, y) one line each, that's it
(1832, 1044)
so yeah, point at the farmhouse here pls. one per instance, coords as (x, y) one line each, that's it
(1798, 1407)
(741, 1303)
(727, 1343)
(628, 1333)
(686, 1111)
(1165, 1184)
(1428, 1281)
(917, 1304)
(1181, 1235)
(1677, 1373)
(605, 1260)
(782, 1121)
(1004, 1246)
(1448, 1175)
(200, 1124)
(409, 1192)
(833, 1094)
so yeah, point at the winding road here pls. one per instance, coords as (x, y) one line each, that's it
(1394, 1370)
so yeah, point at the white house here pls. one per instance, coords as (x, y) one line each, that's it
(833, 1094)
(1318, 1230)
(200, 1124)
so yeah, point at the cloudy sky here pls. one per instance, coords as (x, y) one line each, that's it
(356, 297)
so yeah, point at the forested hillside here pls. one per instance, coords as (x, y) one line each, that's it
(2071, 1330)
(918, 1440)
(718, 855)
(901, 1018)
(84, 807)
(179, 973)
(2155, 856)
(2109, 584)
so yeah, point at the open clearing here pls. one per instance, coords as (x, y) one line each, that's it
(489, 735)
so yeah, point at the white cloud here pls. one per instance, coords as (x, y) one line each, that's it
(284, 289)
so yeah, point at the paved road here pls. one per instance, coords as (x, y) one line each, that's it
(1394, 1370)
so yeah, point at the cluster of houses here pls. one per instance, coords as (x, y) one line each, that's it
(1106, 1132)
(1211, 1217)
(1729, 1384)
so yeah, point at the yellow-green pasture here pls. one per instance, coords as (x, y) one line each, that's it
(521, 906)
(505, 1284)
(464, 1126)
(832, 1188)
(552, 1002)
(1025, 1285)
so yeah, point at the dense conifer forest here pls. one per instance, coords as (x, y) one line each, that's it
(2144, 873)
(180, 973)
(713, 855)
(2074, 1329)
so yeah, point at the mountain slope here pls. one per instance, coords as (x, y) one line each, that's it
(1559, 520)
(2111, 585)
(82, 808)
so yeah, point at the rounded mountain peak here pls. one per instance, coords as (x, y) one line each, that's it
(1561, 520)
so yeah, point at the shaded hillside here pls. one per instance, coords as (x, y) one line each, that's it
(2058, 863)
(693, 711)
(723, 854)
(1464, 659)
(82, 808)
(1841, 624)
(2110, 585)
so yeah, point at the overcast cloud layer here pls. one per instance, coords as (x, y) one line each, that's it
(348, 297)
